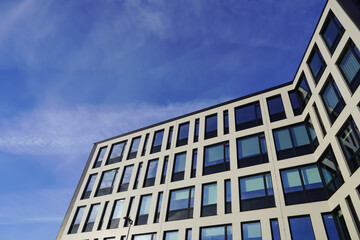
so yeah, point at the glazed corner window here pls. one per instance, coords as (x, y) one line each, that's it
(216, 158)
(300, 96)
(209, 200)
(275, 232)
(89, 186)
(183, 134)
(216, 232)
(179, 167)
(256, 192)
(157, 141)
(168, 143)
(295, 140)
(332, 99)
(349, 65)
(100, 157)
(151, 173)
(276, 108)
(316, 64)
(144, 209)
(226, 122)
(116, 153)
(116, 214)
(171, 235)
(158, 207)
(211, 126)
(251, 231)
(301, 228)
(248, 116)
(77, 219)
(251, 150)
(332, 32)
(335, 225)
(148, 236)
(134, 147)
(227, 196)
(107, 183)
(349, 138)
(181, 204)
(89, 224)
(196, 130)
(125, 179)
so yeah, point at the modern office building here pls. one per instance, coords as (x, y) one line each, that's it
(282, 163)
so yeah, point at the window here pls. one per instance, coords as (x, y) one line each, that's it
(173, 235)
(116, 153)
(101, 222)
(216, 158)
(168, 144)
(349, 65)
(145, 144)
(275, 232)
(349, 138)
(196, 130)
(188, 234)
(116, 214)
(251, 150)
(295, 140)
(89, 224)
(129, 211)
(125, 179)
(256, 192)
(248, 116)
(209, 200)
(354, 216)
(100, 157)
(301, 228)
(335, 225)
(319, 120)
(164, 170)
(216, 232)
(157, 141)
(183, 134)
(226, 122)
(134, 147)
(193, 164)
(143, 211)
(77, 219)
(316, 63)
(158, 208)
(251, 231)
(332, 99)
(181, 204)
(138, 176)
(332, 32)
(106, 183)
(227, 196)
(179, 167)
(151, 173)
(276, 108)
(148, 236)
(211, 126)
(89, 186)
(300, 95)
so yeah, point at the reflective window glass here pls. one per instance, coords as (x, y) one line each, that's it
(301, 228)
(251, 231)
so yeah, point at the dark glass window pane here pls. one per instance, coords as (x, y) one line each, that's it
(216, 158)
(227, 196)
(179, 167)
(194, 162)
(181, 203)
(148, 236)
(145, 144)
(275, 232)
(107, 183)
(168, 145)
(188, 234)
(77, 219)
(211, 126)
(209, 200)
(164, 170)
(251, 150)
(129, 211)
(158, 208)
(353, 214)
(332, 32)
(330, 227)
(276, 108)
(151, 173)
(103, 215)
(125, 179)
(143, 211)
(138, 175)
(89, 186)
(248, 116)
(349, 65)
(226, 122)
(183, 134)
(251, 231)
(116, 214)
(134, 147)
(196, 130)
(319, 119)
(295, 103)
(158, 138)
(100, 157)
(216, 233)
(332, 100)
(317, 64)
(173, 235)
(301, 228)
(89, 224)
(116, 153)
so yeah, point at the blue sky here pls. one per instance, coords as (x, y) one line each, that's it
(76, 72)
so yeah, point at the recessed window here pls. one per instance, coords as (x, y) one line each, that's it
(332, 32)
(144, 209)
(276, 108)
(107, 183)
(129, 211)
(211, 126)
(301, 228)
(101, 222)
(151, 173)
(77, 219)
(181, 204)
(193, 164)
(226, 122)
(332, 99)
(125, 179)
(179, 167)
(248, 116)
(183, 134)
(89, 223)
(188, 234)
(148, 236)
(209, 200)
(335, 225)
(168, 144)
(138, 176)
(300, 96)
(145, 144)
(116, 214)
(89, 186)
(116, 153)
(171, 235)
(158, 207)
(216, 158)
(256, 192)
(316, 63)
(227, 196)
(251, 231)
(349, 65)
(100, 157)
(251, 150)
(216, 232)
(275, 232)
(157, 141)
(164, 170)
(134, 147)
(196, 130)
(349, 138)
